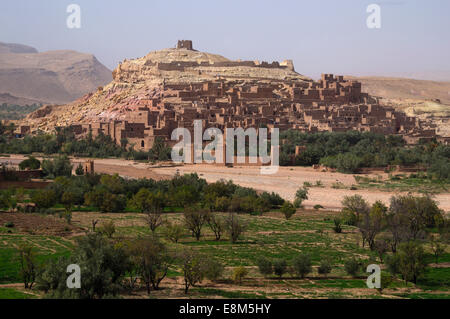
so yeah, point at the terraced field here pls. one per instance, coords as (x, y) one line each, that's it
(269, 235)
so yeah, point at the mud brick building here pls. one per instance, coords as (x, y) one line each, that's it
(330, 104)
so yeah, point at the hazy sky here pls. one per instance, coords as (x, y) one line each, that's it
(320, 36)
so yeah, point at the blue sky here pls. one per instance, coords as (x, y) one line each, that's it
(321, 36)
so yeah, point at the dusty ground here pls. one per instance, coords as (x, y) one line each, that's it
(285, 182)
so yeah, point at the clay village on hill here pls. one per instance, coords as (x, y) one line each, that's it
(331, 104)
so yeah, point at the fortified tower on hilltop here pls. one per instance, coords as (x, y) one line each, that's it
(185, 44)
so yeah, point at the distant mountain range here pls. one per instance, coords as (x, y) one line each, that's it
(52, 77)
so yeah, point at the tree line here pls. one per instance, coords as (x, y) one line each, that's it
(64, 142)
(349, 151)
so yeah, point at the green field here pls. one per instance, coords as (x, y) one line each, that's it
(269, 235)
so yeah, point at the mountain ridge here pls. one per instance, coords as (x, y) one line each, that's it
(51, 77)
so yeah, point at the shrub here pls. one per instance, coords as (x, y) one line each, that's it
(103, 266)
(325, 267)
(79, 170)
(234, 227)
(59, 166)
(173, 232)
(317, 207)
(352, 267)
(44, 198)
(273, 199)
(300, 196)
(337, 225)
(288, 209)
(302, 265)
(307, 184)
(30, 163)
(239, 273)
(222, 204)
(386, 281)
(9, 225)
(265, 266)
(348, 217)
(108, 229)
(213, 269)
(279, 267)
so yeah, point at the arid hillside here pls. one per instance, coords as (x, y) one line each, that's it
(395, 88)
(52, 77)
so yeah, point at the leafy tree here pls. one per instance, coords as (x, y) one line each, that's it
(372, 222)
(356, 205)
(411, 261)
(239, 273)
(221, 204)
(102, 265)
(302, 265)
(44, 198)
(288, 210)
(381, 246)
(279, 267)
(213, 269)
(185, 195)
(108, 229)
(79, 170)
(160, 151)
(60, 166)
(113, 183)
(437, 248)
(151, 261)
(68, 199)
(409, 217)
(192, 267)
(217, 225)
(152, 204)
(194, 218)
(273, 199)
(149, 202)
(30, 163)
(325, 267)
(220, 188)
(265, 266)
(28, 265)
(173, 231)
(352, 267)
(234, 227)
